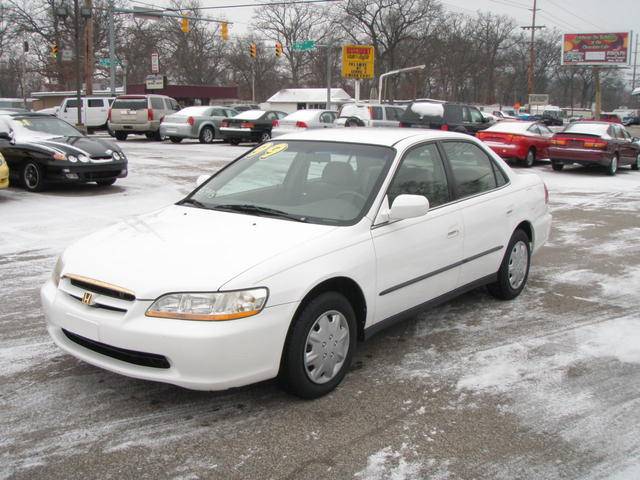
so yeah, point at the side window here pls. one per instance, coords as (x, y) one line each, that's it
(271, 116)
(476, 116)
(231, 113)
(326, 117)
(167, 104)
(376, 113)
(466, 116)
(625, 134)
(156, 103)
(217, 112)
(421, 173)
(473, 170)
(391, 113)
(95, 103)
(71, 103)
(534, 129)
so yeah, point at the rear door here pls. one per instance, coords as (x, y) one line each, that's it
(69, 111)
(545, 141)
(486, 208)
(96, 112)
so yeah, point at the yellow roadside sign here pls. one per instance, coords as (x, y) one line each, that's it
(357, 61)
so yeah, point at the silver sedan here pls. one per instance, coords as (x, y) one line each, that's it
(195, 122)
(302, 120)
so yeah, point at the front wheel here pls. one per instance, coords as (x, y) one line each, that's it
(514, 269)
(557, 166)
(33, 177)
(636, 164)
(612, 168)
(530, 159)
(319, 347)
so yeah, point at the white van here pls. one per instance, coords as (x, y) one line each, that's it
(95, 111)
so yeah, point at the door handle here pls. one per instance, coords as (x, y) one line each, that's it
(453, 233)
(510, 210)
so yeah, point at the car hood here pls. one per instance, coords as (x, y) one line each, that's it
(92, 147)
(181, 248)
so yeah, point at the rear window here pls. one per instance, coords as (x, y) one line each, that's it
(250, 115)
(157, 103)
(587, 128)
(95, 103)
(130, 103)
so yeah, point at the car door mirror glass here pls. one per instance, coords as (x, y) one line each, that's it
(201, 179)
(408, 206)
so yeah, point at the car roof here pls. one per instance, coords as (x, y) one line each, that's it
(369, 135)
(23, 114)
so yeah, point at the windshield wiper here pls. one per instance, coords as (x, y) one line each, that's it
(194, 202)
(258, 210)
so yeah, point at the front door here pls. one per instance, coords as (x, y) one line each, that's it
(418, 258)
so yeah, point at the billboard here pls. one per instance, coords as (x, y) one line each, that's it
(596, 49)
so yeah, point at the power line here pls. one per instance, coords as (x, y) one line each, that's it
(249, 5)
(574, 14)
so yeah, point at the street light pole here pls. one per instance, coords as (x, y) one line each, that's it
(395, 72)
(112, 51)
(76, 24)
(329, 47)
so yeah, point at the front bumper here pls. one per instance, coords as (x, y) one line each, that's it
(85, 172)
(581, 156)
(178, 130)
(146, 127)
(506, 150)
(200, 355)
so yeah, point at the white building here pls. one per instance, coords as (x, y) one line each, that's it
(291, 99)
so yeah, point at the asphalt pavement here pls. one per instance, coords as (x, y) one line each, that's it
(545, 386)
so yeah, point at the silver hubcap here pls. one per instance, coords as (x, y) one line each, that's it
(326, 347)
(614, 164)
(265, 137)
(518, 261)
(208, 135)
(530, 157)
(31, 176)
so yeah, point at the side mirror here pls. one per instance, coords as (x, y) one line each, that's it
(5, 136)
(408, 206)
(201, 179)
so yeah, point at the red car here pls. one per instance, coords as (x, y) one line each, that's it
(595, 143)
(523, 141)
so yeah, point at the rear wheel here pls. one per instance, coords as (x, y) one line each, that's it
(636, 164)
(234, 141)
(33, 177)
(175, 139)
(122, 136)
(557, 166)
(207, 134)
(319, 347)
(106, 183)
(265, 137)
(514, 268)
(612, 168)
(530, 158)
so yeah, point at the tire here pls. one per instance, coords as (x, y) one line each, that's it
(32, 177)
(234, 141)
(612, 168)
(514, 269)
(122, 136)
(106, 183)
(636, 165)
(175, 139)
(460, 129)
(207, 135)
(353, 122)
(111, 132)
(265, 137)
(557, 166)
(296, 372)
(530, 159)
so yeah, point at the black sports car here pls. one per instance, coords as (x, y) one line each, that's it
(41, 149)
(251, 126)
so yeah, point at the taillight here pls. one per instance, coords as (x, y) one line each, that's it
(191, 121)
(149, 114)
(403, 125)
(370, 112)
(246, 125)
(558, 142)
(596, 145)
(445, 127)
(546, 193)
(300, 124)
(275, 123)
(109, 116)
(224, 123)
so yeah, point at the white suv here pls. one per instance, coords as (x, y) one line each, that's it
(95, 111)
(369, 115)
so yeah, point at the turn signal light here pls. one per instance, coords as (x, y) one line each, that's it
(300, 124)
(246, 125)
(191, 121)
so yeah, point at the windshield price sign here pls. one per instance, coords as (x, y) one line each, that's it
(357, 61)
(595, 49)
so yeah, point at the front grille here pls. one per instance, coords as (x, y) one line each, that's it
(101, 289)
(101, 305)
(144, 359)
(89, 176)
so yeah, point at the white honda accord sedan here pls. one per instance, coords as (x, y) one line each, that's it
(277, 265)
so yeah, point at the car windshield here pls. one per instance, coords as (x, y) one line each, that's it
(250, 115)
(42, 126)
(330, 183)
(587, 128)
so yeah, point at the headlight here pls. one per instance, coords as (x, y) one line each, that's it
(57, 271)
(209, 306)
(59, 156)
(116, 156)
(83, 158)
(73, 158)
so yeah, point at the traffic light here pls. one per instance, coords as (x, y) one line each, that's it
(54, 50)
(184, 25)
(224, 31)
(278, 49)
(253, 50)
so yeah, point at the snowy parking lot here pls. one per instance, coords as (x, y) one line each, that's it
(546, 386)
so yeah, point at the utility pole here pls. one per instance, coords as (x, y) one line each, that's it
(532, 50)
(329, 47)
(76, 25)
(88, 47)
(596, 79)
(112, 51)
(635, 64)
